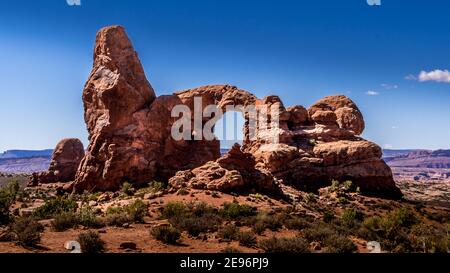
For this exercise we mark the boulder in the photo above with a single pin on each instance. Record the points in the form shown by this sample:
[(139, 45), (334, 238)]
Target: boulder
[(65, 161)]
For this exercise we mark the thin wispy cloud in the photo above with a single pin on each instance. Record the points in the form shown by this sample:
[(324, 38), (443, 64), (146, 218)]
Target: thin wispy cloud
[(437, 75), (389, 86), (372, 93), (411, 78)]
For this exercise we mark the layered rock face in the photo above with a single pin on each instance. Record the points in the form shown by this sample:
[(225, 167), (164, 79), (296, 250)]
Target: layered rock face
[(130, 136), (129, 128), (64, 164)]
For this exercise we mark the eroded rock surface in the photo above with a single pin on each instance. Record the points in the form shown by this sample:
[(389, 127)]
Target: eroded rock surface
[(64, 164), (130, 136)]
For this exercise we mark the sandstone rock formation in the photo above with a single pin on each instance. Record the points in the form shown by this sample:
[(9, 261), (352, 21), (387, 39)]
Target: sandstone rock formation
[(64, 164), (234, 172), (130, 136)]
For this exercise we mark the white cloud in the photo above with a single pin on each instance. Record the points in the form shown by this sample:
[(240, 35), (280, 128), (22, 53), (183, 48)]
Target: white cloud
[(435, 76), (388, 146), (389, 86), (372, 93), (395, 127)]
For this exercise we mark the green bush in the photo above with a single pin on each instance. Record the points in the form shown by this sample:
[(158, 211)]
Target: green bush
[(155, 186), (84, 217), (117, 219), (393, 230), (284, 245), (193, 217), (270, 222), (404, 217), (318, 233), (351, 217), (64, 221), (87, 218), (166, 234), (137, 211), (339, 244), (53, 207), (427, 239), (259, 227), (247, 239), (229, 232), (127, 188), (91, 242), (194, 225), (236, 211), (132, 213), (328, 216), (7, 198), (174, 209), (297, 223), (27, 232)]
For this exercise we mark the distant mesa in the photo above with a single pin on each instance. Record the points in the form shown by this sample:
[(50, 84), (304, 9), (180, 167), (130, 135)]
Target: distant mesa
[(439, 159), (12, 154), (130, 137)]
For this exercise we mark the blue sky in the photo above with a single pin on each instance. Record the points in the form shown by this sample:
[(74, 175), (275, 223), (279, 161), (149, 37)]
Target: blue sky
[(300, 50)]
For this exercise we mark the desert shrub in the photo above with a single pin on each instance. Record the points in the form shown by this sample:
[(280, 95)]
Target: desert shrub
[(271, 222), (247, 239), (284, 245), (343, 200), (27, 232), (91, 242), (259, 227), (127, 188), (137, 211), (156, 186), (54, 207), (404, 217), (87, 218), (64, 221), (297, 223), (229, 232), (351, 217), (166, 234), (7, 198), (311, 198), (200, 208), (194, 217), (427, 239), (336, 243), (392, 230), (318, 232), (182, 191), (174, 209), (230, 250), (194, 225), (236, 211), (132, 213), (117, 219), (344, 187), (328, 216)]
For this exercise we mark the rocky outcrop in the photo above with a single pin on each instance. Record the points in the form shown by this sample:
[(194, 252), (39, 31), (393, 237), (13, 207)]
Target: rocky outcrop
[(64, 164), (235, 172), (130, 136)]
